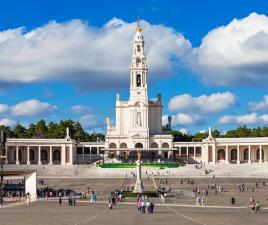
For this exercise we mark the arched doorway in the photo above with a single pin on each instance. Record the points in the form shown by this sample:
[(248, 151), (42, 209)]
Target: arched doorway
[(138, 145), (165, 145), (154, 145), (245, 154), (123, 145), (32, 155), (221, 154), (56, 156), (258, 154), (233, 154), (112, 145), (44, 156)]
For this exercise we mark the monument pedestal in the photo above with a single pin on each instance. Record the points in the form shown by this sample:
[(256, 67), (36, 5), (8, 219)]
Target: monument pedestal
[(139, 188)]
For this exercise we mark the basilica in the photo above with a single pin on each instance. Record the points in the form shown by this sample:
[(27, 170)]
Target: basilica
[(138, 128)]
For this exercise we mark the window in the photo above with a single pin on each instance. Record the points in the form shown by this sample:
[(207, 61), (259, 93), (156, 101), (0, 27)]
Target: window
[(86, 150), (138, 80), (138, 48), (94, 150)]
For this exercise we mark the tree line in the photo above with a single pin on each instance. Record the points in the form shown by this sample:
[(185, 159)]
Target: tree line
[(52, 130), (58, 130), (239, 132)]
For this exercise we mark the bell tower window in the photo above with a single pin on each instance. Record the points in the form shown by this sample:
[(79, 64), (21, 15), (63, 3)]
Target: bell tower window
[(138, 80), (138, 48)]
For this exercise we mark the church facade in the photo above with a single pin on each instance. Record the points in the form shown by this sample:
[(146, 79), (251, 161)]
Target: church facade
[(138, 128), (138, 122)]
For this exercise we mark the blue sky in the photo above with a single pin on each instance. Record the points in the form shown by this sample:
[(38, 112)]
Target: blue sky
[(74, 66)]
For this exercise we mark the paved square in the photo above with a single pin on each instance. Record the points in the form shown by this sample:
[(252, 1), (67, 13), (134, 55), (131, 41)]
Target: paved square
[(49, 213)]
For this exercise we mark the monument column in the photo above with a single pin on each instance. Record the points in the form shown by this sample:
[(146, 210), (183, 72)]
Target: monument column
[(139, 188)]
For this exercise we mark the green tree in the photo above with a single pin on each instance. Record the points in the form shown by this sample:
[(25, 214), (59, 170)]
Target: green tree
[(31, 131), (19, 131), (41, 129)]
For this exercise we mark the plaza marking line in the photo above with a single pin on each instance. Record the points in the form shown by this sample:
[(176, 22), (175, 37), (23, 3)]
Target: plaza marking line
[(91, 218), (184, 216), (159, 204)]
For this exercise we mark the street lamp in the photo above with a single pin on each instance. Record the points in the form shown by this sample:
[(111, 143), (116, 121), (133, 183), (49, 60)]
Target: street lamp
[(2, 157)]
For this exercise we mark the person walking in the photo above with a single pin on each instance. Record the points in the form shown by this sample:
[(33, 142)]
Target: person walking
[(139, 205), (28, 199), (143, 207), (110, 204), (74, 201), (148, 205), (258, 206), (232, 201), (60, 200)]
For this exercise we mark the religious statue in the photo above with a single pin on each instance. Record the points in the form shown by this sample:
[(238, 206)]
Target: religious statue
[(67, 133), (108, 122), (117, 97), (138, 119), (139, 156)]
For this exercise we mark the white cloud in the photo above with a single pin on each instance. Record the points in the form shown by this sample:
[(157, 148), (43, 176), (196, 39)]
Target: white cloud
[(89, 56), (235, 54), (7, 122), (3, 109), (80, 109), (187, 119), (89, 121), (204, 104), (32, 108), (184, 131), (257, 106), (252, 118)]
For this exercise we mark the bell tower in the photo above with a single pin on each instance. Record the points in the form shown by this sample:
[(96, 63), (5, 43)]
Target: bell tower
[(138, 70)]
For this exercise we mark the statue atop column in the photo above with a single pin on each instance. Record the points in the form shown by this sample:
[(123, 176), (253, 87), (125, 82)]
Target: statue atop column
[(67, 134), (139, 188)]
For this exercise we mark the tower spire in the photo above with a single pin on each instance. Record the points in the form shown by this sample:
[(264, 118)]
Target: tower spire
[(138, 29)]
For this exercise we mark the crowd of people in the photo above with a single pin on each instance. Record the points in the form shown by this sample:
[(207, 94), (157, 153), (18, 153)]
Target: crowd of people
[(143, 203)]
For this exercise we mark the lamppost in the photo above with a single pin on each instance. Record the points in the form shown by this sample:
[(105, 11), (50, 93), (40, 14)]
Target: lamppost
[(2, 157)]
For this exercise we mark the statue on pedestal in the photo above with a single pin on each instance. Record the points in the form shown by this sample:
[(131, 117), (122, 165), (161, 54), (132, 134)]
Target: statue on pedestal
[(139, 188)]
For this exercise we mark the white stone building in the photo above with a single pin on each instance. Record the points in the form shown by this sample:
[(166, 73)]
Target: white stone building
[(138, 127), (138, 121)]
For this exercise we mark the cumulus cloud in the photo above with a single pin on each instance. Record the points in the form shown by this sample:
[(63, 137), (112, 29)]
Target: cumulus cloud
[(91, 57), (235, 54), (32, 108), (257, 106), (89, 121), (205, 104), (247, 119), (7, 122), (80, 109), (3, 109), (184, 131)]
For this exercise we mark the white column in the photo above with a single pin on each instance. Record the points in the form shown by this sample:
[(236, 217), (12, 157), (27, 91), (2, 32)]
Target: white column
[(226, 154), (194, 152), (50, 155), (238, 154), (98, 150), (6, 155), (260, 157), (180, 151), (249, 154), (170, 154), (39, 155), (213, 154), (28, 155), (63, 154), (83, 151), (17, 155), (187, 151)]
